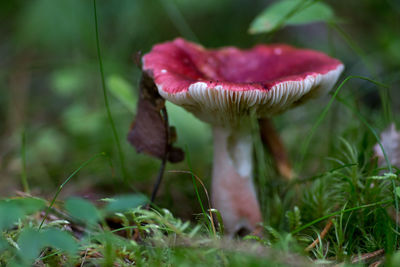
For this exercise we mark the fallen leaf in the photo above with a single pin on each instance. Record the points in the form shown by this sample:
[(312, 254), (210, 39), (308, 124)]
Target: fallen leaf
[(150, 132)]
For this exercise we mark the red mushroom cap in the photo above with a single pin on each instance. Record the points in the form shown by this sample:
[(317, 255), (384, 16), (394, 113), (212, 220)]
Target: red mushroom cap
[(267, 78)]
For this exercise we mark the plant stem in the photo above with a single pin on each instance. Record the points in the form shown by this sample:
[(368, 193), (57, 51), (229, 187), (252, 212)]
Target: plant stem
[(106, 103), (189, 163), (164, 159), (384, 94), (306, 143), (24, 178), (389, 165)]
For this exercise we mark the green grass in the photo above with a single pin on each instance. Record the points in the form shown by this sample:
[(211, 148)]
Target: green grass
[(352, 193)]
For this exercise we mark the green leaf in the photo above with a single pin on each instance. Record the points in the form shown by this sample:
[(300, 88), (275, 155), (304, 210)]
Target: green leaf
[(274, 233), (29, 205), (107, 237), (123, 91), (9, 214), (11, 210), (398, 191), (59, 239), (294, 218), (219, 220), (32, 241), (30, 244), (3, 244), (291, 12), (385, 176), (126, 202), (82, 210)]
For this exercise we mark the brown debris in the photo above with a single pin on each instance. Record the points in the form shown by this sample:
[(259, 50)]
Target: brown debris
[(367, 256), (376, 264), (149, 133), (322, 235)]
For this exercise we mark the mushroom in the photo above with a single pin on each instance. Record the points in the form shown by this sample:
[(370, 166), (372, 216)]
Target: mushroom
[(224, 87)]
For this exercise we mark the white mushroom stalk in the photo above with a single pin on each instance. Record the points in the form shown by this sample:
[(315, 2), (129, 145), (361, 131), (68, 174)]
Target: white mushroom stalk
[(233, 191)]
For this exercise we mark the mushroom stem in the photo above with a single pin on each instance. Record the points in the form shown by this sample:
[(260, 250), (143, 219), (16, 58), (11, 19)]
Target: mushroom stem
[(233, 191), (273, 142)]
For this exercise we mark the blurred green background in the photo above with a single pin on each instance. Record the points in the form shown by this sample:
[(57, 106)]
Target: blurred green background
[(51, 90)]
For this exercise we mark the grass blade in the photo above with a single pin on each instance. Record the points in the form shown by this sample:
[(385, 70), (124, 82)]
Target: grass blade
[(384, 94), (338, 213), (178, 20), (389, 165), (106, 103), (66, 181), (306, 143), (197, 192), (24, 178)]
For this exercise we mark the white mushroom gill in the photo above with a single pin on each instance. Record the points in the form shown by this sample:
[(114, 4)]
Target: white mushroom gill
[(219, 106)]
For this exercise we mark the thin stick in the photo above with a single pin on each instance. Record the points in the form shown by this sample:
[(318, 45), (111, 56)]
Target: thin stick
[(164, 159), (159, 178), (322, 235), (367, 256), (24, 178), (376, 264), (84, 257)]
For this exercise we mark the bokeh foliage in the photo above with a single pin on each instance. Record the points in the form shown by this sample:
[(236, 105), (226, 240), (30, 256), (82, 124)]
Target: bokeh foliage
[(51, 91)]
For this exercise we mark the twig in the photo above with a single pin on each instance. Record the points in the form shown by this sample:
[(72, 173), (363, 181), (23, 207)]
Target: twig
[(322, 235), (367, 256), (164, 159), (376, 264), (84, 258)]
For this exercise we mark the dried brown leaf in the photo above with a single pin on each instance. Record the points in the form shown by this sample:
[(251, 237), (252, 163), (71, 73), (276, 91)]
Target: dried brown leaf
[(149, 133), (175, 155)]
